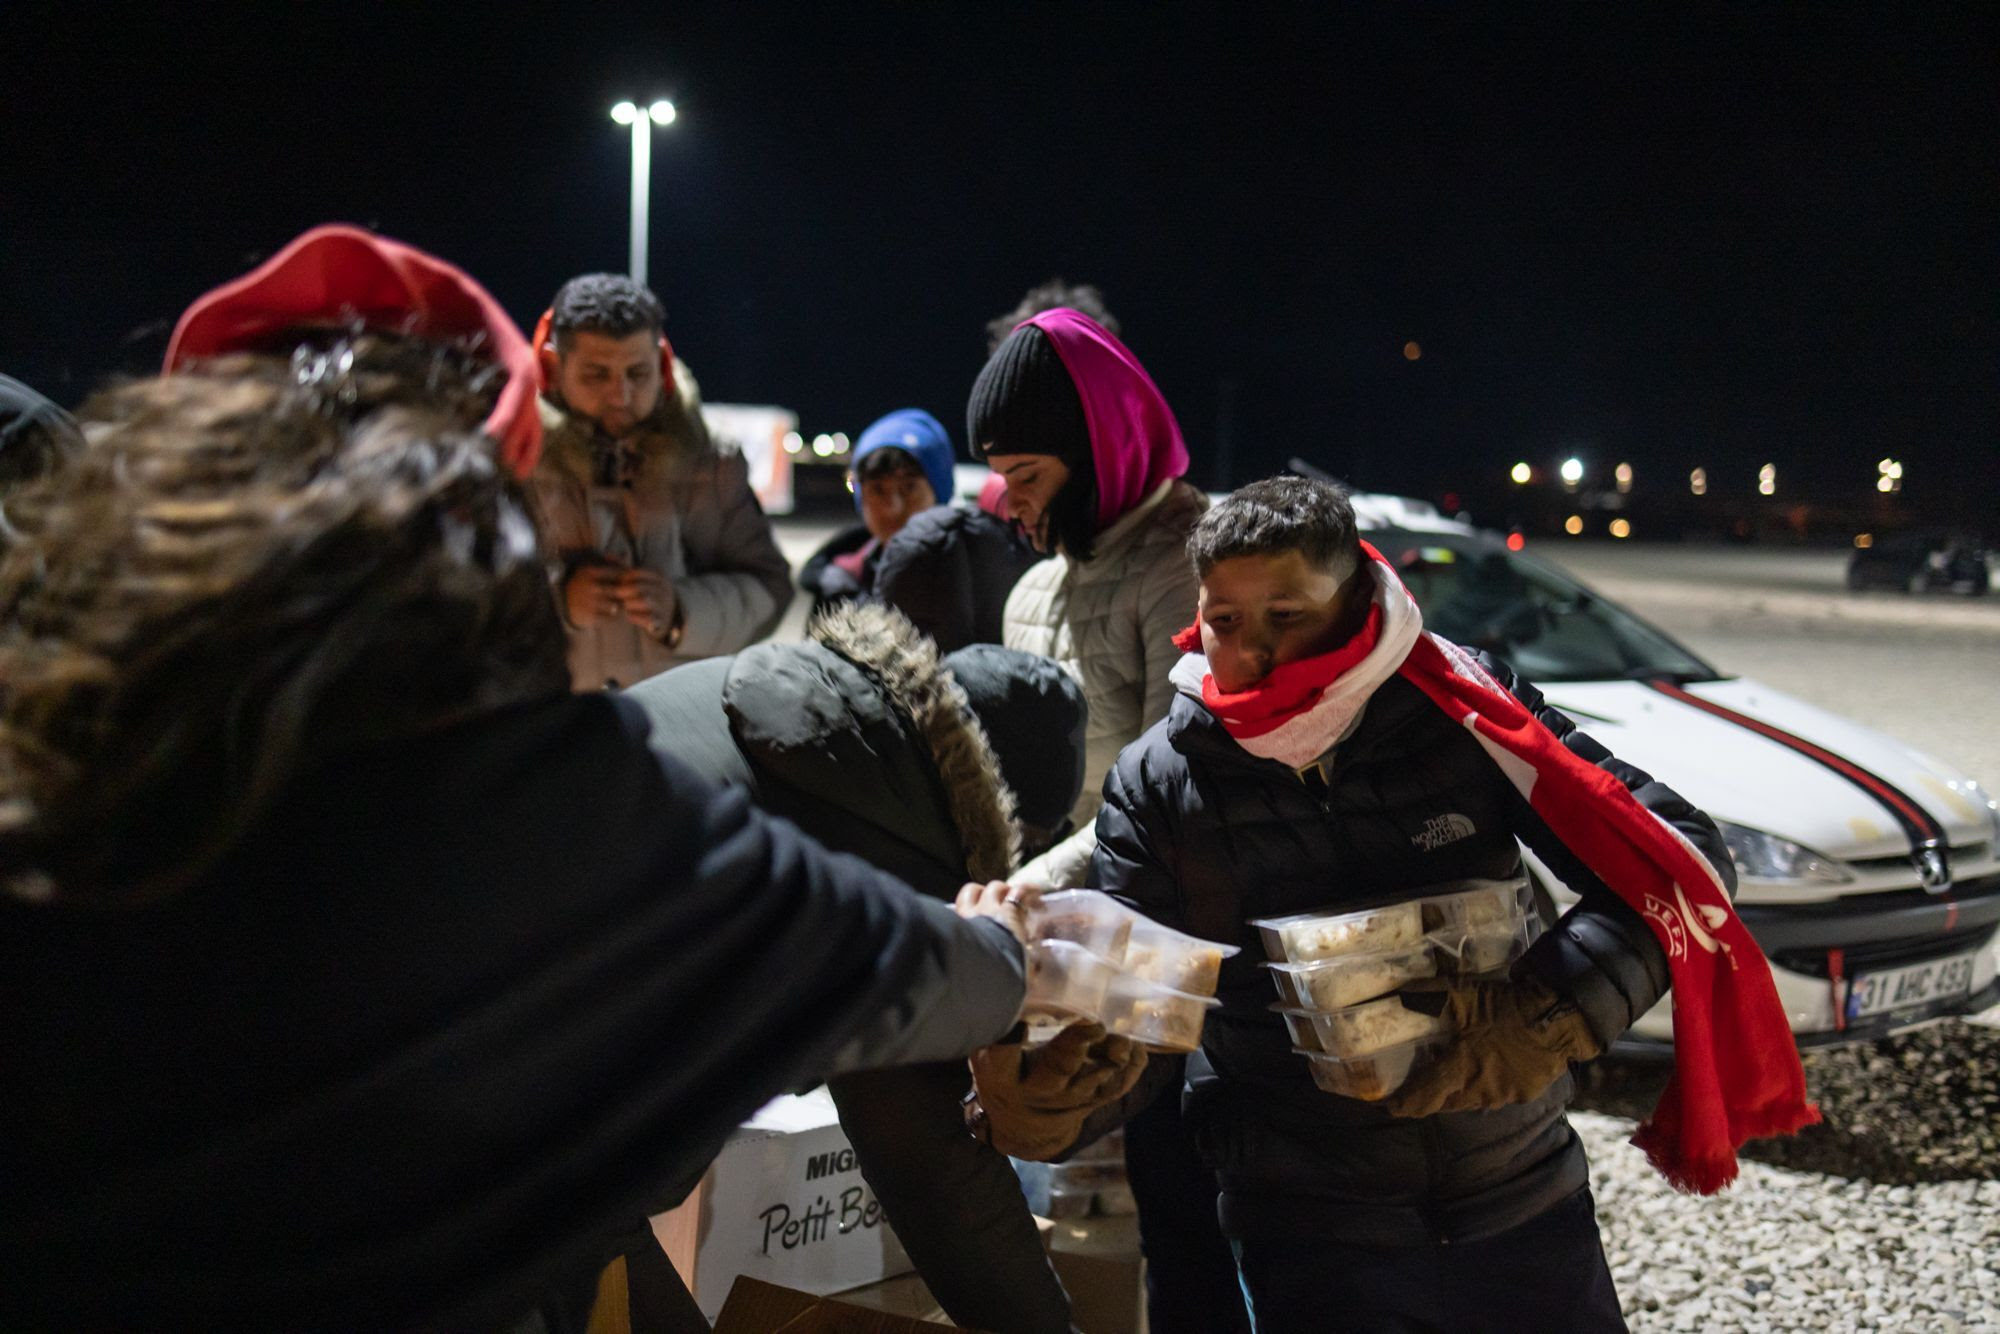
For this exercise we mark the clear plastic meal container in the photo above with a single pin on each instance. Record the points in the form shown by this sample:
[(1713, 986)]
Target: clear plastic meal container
[(1376, 1075), (1312, 936), (1483, 926), (1157, 1016), (1362, 1030), (1175, 959), (1065, 979), (1335, 984), (1086, 917)]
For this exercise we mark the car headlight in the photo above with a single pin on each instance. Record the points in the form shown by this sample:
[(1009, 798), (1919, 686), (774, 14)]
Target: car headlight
[(1762, 856)]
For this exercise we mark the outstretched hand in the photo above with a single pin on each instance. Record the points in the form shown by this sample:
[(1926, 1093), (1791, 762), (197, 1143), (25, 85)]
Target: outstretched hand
[(1036, 1099), (1006, 904)]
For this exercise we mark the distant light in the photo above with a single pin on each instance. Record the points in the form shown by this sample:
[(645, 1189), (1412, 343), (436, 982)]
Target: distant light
[(1698, 481), (794, 442), (1767, 480), (1515, 541), (840, 442), (1522, 474), (662, 112), (624, 113), (1411, 351), (1573, 525), (1572, 471), (1624, 476), (1621, 528), (1896, 471), (823, 445), (1885, 484), (1864, 540), (1452, 502)]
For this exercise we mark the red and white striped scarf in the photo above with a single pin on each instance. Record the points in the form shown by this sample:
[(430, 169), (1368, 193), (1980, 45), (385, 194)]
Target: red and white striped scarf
[(1736, 1068)]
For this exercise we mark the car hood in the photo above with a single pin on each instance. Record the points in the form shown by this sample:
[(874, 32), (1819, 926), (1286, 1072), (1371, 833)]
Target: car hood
[(1739, 775)]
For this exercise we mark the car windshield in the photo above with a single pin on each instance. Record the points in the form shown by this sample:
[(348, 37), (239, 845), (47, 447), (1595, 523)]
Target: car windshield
[(1546, 625)]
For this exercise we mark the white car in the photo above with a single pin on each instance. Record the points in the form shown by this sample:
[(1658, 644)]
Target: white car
[(1869, 872)]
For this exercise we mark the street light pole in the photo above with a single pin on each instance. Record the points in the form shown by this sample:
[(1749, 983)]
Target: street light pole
[(642, 123)]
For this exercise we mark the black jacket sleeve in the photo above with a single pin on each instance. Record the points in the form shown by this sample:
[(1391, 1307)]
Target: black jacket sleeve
[(1126, 865), (1601, 953)]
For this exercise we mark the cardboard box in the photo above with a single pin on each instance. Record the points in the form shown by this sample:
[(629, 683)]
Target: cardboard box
[(1097, 1260), (783, 1203), (760, 1308)]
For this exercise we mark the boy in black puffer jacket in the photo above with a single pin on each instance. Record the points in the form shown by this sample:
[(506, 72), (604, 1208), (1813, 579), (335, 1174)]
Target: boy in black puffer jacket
[(1298, 769)]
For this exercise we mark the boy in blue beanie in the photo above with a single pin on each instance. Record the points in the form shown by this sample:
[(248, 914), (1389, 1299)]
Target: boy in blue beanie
[(901, 466)]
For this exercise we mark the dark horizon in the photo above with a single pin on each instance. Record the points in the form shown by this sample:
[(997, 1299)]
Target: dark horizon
[(1652, 236)]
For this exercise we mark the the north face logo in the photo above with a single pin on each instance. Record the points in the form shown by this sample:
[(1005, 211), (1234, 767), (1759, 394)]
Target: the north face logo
[(1442, 829)]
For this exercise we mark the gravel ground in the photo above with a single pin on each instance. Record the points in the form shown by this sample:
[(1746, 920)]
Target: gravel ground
[(1785, 1250)]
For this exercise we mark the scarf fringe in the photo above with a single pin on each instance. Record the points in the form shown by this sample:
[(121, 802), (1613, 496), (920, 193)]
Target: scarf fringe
[(1659, 1138)]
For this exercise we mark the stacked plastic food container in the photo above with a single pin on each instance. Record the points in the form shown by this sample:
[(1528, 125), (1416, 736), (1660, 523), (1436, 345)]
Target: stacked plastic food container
[(1337, 972), (1091, 957), (1093, 1182)]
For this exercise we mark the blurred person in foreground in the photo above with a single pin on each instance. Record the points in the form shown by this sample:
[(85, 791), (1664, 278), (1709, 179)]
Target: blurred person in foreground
[(358, 975), (660, 553), (1323, 753), (901, 466), (939, 770)]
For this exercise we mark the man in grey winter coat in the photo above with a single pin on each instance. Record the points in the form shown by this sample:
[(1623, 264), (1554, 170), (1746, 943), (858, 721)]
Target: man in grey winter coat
[(660, 553)]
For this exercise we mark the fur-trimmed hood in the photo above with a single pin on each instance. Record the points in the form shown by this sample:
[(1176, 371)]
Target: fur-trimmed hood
[(859, 736), (884, 644)]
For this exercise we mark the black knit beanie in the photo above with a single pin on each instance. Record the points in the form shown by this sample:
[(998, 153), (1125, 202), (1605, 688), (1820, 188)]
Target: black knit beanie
[(1024, 402)]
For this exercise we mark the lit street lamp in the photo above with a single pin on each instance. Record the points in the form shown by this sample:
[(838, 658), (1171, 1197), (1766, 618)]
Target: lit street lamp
[(642, 123)]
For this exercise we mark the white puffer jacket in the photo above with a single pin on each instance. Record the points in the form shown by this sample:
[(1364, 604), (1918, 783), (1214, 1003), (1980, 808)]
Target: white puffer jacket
[(1110, 621)]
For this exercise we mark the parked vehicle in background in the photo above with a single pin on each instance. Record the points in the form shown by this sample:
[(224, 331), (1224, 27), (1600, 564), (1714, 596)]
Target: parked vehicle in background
[(1868, 872), (1919, 563)]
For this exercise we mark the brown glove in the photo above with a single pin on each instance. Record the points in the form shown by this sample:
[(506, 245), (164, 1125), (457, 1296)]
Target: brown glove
[(1031, 1102), (1515, 1038)]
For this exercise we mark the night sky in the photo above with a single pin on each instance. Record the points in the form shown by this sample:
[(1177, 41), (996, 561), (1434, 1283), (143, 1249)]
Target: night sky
[(1634, 233)]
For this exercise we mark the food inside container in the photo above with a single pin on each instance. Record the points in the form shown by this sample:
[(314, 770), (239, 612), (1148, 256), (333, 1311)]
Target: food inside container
[(1086, 917), (1484, 926), (1362, 1030), (1064, 978), (1173, 958), (1154, 1015), (1375, 1076), (1306, 937), (1334, 984)]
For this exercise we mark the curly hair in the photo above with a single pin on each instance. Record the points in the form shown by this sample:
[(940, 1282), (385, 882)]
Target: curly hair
[(604, 303), (1275, 515), (1055, 292), (259, 564)]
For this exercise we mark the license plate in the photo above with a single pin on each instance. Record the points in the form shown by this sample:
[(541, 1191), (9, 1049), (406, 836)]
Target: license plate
[(1912, 985)]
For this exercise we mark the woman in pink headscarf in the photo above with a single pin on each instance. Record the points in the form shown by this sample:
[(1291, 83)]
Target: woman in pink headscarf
[(1093, 462)]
